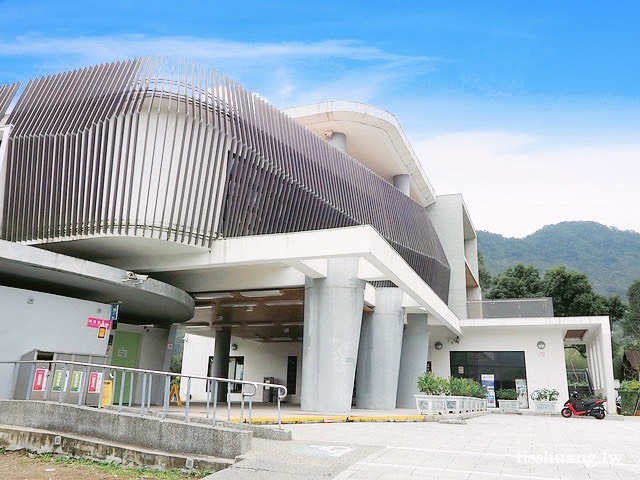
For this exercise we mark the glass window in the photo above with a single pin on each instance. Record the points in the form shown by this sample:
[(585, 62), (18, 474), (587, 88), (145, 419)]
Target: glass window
[(505, 366)]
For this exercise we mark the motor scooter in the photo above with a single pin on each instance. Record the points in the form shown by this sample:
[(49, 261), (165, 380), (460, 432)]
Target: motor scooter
[(576, 406)]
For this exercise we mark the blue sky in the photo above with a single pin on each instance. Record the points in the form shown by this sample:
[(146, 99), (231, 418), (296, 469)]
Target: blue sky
[(531, 110)]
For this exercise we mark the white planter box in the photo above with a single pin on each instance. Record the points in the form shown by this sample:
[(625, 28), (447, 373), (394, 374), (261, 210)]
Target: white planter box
[(545, 406), (440, 404), (509, 405)]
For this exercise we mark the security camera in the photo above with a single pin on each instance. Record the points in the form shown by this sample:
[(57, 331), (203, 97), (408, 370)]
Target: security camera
[(131, 275)]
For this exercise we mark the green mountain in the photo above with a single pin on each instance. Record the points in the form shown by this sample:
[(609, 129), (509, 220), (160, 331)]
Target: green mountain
[(610, 257)]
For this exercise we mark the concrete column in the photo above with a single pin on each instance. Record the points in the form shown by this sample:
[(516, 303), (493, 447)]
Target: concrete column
[(168, 353), (221, 359), (332, 319), (401, 182), (590, 362), (379, 352), (598, 362), (413, 363), (595, 373), (607, 369), (338, 140)]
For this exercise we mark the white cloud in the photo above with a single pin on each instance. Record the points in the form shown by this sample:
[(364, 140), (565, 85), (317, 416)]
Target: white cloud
[(286, 73), (105, 47), (514, 184)]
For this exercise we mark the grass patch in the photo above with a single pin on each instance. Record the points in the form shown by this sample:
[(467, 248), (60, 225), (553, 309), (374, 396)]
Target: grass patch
[(113, 469)]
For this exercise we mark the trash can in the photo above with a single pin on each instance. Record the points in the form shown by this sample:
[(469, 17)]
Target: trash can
[(267, 393)]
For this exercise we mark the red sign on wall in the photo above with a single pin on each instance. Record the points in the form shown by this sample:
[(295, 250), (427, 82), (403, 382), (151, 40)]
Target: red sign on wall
[(95, 379), (98, 322), (40, 379)]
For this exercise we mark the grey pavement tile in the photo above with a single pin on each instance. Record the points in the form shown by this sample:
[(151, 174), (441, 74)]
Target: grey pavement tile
[(369, 472)]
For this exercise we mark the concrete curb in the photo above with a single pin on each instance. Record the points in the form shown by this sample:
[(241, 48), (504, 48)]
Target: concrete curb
[(126, 428), (77, 446)]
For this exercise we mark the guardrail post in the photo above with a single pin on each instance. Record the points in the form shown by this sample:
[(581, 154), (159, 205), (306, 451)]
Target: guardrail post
[(215, 401), (131, 387), (279, 413), (104, 374), (30, 383), (208, 388), (64, 382), (149, 391), (241, 403), (123, 377), (144, 393), (81, 393), (188, 403), (49, 381), (166, 399)]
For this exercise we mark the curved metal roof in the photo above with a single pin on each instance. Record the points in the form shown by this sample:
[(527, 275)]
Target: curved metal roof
[(178, 152)]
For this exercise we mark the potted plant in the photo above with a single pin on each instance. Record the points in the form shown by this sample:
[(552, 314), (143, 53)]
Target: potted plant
[(508, 399), (449, 395), (544, 399)]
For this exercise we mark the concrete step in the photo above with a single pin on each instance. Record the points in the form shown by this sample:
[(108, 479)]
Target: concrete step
[(78, 446)]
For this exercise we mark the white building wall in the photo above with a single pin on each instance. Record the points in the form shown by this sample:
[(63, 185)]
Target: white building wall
[(269, 360), (261, 360), (195, 361), (447, 218), (545, 368), (33, 320)]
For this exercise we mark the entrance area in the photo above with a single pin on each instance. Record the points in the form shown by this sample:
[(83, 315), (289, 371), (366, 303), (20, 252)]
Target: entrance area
[(125, 354), (506, 367)]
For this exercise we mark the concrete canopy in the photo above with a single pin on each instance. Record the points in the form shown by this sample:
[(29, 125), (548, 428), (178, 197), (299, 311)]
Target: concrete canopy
[(284, 260), (374, 138), (142, 300)]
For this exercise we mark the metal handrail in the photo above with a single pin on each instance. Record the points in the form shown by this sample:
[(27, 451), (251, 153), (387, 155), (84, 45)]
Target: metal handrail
[(247, 393)]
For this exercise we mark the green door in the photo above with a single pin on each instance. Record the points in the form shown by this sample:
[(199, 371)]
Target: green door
[(125, 354)]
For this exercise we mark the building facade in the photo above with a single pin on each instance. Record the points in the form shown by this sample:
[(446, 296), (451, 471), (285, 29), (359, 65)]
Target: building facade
[(311, 242)]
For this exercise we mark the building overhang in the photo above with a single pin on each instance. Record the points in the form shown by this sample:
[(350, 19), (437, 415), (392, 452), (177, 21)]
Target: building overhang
[(374, 138), (285, 260), (142, 300), (590, 327)]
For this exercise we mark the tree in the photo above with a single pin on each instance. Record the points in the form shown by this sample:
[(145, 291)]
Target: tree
[(483, 274), (519, 281), (572, 293), (617, 308), (631, 319)]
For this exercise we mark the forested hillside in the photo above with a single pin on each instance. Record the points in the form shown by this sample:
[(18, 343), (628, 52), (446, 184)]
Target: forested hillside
[(610, 257)]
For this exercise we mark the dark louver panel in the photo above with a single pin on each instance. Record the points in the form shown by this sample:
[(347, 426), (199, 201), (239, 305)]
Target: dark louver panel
[(176, 151)]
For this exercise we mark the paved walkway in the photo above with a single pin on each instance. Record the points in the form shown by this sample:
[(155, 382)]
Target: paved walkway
[(491, 447)]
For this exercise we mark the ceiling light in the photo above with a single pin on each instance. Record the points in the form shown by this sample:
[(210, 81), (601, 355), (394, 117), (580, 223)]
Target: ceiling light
[(283, 303), (239, 305), (228, 324), (261, 324), (213, 296), (291, 324), (201, 307), (261, 293)]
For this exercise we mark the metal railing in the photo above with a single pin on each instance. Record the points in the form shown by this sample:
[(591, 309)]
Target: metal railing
[(87, 382), (510, 308)]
